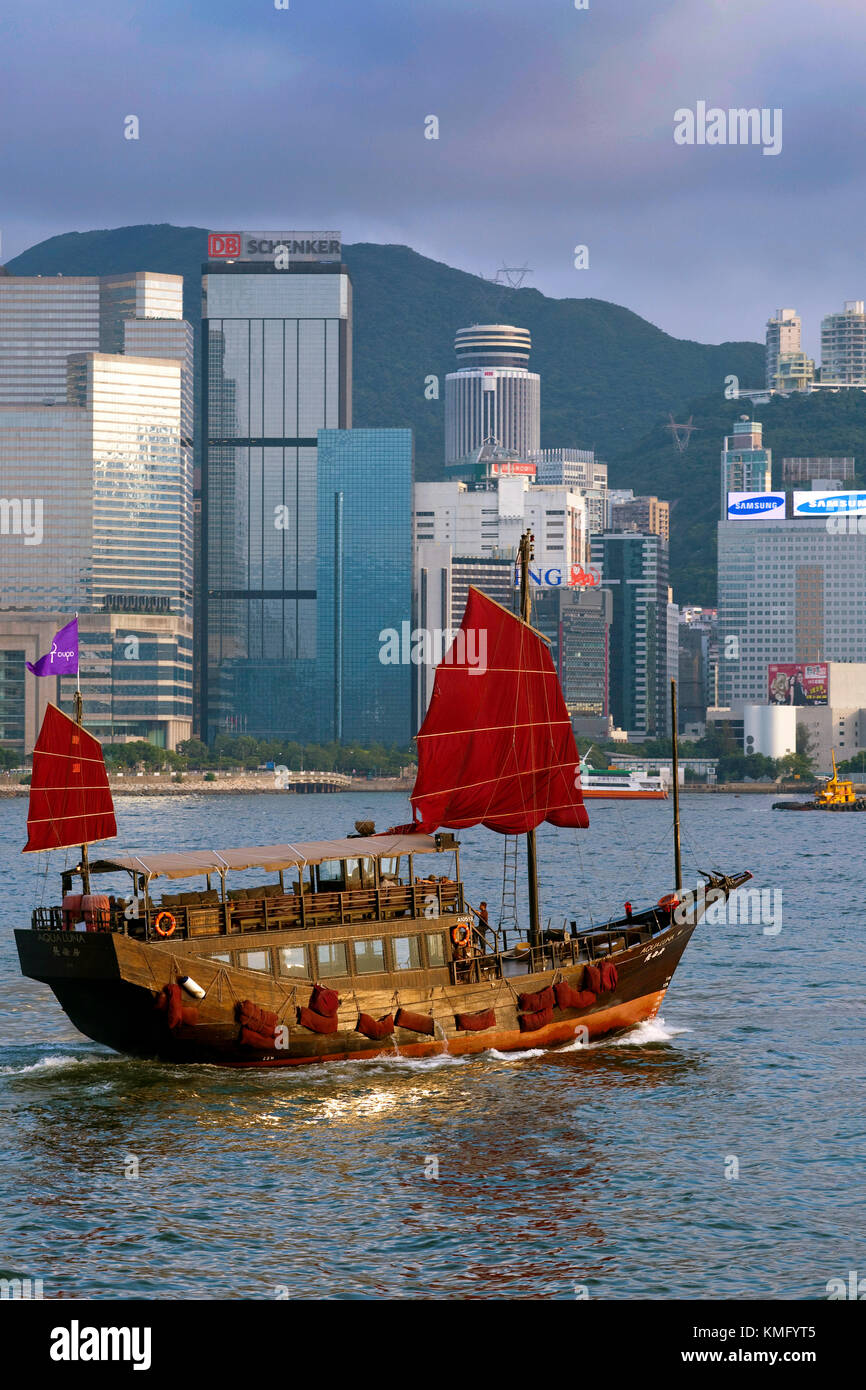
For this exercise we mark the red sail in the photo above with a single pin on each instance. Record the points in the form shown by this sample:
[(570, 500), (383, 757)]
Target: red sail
[(497, 747), (70, 800)]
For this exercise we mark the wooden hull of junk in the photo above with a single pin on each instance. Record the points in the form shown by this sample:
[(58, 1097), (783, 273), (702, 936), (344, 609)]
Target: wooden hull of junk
[(109, 984)]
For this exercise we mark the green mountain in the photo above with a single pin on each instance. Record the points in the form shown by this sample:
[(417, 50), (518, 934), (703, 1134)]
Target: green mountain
[(610, 380), (607, 374)]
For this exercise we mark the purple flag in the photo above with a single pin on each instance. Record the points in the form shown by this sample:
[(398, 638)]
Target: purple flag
[(62, 660)]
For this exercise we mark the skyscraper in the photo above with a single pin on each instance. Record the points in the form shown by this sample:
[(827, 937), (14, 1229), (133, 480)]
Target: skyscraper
[(634, 569), (792, 588), (577, 468), (746, 464), (492, 395), (645, 514), (469, 534), (789, 591), (364, 586), (276, 369), (843, 345), (96, 433), (783, 336)]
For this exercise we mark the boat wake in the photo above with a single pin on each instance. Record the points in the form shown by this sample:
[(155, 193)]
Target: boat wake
[(652, 1030), (64, 1062), (525, 1056)]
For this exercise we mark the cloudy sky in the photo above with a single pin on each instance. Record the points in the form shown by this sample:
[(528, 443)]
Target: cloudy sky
[(555, 129)]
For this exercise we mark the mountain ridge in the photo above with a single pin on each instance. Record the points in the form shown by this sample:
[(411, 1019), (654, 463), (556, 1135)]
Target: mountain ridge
[(407, 308)]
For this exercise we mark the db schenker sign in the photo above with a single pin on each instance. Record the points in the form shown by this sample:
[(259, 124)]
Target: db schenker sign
[(264, 246)]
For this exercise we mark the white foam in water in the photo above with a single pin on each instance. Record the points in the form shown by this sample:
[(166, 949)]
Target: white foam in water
[(651, 1030), (516, 1056), (55, 1064), (439, 1059)]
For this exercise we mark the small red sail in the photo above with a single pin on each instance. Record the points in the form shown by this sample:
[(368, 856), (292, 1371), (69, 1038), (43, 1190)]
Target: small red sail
[(497, 746), (70, 800)]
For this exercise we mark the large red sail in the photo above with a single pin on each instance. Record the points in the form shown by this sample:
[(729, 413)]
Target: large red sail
[(497, 746), (70, 800)]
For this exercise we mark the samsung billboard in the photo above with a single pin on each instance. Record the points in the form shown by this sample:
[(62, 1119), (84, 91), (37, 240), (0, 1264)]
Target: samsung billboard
[(830, 504), (756, 506)]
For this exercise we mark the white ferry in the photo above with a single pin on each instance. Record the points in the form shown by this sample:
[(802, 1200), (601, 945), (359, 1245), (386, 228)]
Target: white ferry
[(627, 784)]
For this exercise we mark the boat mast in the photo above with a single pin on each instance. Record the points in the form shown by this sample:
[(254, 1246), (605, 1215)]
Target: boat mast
[(79, 719), (675, 772), (525, 554)]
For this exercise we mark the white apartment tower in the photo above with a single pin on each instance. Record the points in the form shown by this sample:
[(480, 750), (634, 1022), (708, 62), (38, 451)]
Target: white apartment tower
[(843, 345), (783, 336)]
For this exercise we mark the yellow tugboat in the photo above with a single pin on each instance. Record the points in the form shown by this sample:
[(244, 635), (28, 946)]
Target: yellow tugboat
[(835, 795)]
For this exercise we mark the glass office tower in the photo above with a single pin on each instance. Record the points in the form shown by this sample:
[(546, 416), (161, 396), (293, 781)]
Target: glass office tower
[(96, 438), (364, 584), (635, 572), (276, 368)]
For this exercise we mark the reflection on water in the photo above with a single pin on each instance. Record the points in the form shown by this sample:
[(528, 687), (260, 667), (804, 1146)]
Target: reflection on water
[(599, 1165)]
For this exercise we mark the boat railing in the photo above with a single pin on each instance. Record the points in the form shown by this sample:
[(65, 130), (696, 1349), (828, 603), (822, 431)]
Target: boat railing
[(582, 949), (279, 912)]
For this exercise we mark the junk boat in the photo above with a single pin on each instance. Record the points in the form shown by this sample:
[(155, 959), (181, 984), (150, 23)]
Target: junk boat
[(361, 946), (835, 795)]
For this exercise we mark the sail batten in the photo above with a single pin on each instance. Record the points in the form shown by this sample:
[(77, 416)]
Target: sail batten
[(70, 799), (497, 746)]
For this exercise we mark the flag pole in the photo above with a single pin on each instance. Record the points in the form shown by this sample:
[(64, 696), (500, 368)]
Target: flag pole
[(525, 554), (79, 719)]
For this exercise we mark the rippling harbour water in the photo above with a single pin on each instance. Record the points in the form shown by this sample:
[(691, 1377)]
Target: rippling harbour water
[(603, 1166)]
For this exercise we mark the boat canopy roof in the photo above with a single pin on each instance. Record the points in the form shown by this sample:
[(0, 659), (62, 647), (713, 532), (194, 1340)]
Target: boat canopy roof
[(188, 863)]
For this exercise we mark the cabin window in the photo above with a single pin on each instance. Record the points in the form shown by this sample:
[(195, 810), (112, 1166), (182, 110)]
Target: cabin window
[(392, 871), (222, 956), (369, 956), (435, 948), (360, 873), (331, 959), (255, 960), (407, 952), (330, 878), (293, 960)]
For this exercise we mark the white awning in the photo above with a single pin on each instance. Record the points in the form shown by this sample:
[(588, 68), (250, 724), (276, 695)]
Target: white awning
[(271, 858)]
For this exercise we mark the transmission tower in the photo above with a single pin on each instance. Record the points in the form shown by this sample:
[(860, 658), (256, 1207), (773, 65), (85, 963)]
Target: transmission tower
[(681, 433), (514, 275)]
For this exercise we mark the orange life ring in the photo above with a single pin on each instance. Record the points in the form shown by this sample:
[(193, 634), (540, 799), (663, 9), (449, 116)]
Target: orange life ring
[(460, 934), (668, 902), (165, 931)]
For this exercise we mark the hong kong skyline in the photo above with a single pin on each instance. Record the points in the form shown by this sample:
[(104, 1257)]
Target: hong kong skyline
[(554, 129)]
